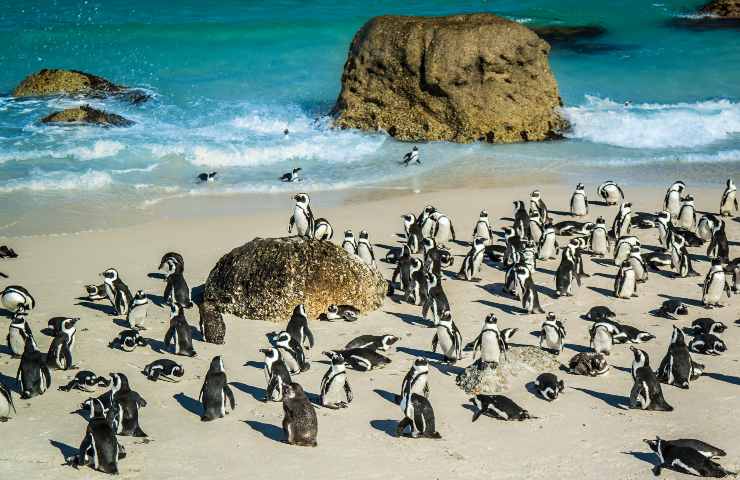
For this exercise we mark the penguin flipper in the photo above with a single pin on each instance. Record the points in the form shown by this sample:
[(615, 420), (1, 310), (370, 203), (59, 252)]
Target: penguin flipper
[(309, 336), (230, 395), (169, 337), (435, 339), (67, 357), (348, 391)]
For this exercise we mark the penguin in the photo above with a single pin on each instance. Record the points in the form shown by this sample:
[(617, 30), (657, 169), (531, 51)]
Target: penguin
[(511, 282), (536, 203), (707, 325), (349, 244), (409, 220), (15, 296), (137, 312), (719, 246), (626, 333), (60, 350), (302, 218), (709, 451), (300, 424), (687, 214), (117, 291), (589, 364), (173, 262), (499, 407), (677, 368), (347, 313), (579, 201), (490, 343), (733, 272), (85, 381), (705, 227), (436, 301), (729, 203), (521, 220), (437, 258), (482, 227), (99, 405), (672, 307), (125, 405), (571, 227), (128, 340), (298, 327), (658, 260), (95, 292), (19, 333), (177, 291), (361, 359), (291, 352), (215, 392), (638, 265), (33, 374), (207, 177), (276, 375), (180, 333), (164, 368), (7, 252), (529, 255), (715, 284), (535, 226), (416, 381), (610, 192), (471, 264), (685, 459), (664, 226), (625, 284), (552, 334), (680, 258), (412, 157), (548, 245), (365, 249), (419, 415), (99, 448), (442, 231), (530, 297), (599, 239), (672, 200), (646, 392), (323, 230), (6, 403), (414, 236), (292, 176), (54, 325), (707, 344), (336, 392), (448, 339), (566, 273), (373, 342), (602, 337), (643, 220), (599, 313), (624, 247), (623, 220), (548, 386), (418, 288)]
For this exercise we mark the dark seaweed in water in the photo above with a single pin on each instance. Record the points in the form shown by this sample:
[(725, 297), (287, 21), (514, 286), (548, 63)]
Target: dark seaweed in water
[(577, 38), (704, 23)]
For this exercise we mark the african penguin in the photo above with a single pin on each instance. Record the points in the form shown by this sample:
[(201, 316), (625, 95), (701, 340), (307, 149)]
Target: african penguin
[(323, 230), (300, 424), (419, 415), (677, 368), (180, 333), (6, 402), (125, 405), (85, 381), (333, 312), (298, 327), (416, 381), (552, 334), (15, 296), (164, 368), (646, 392), (672, 200), (60, 350), (138, 311), (499, 407), (373, 342), (490, 343), (707, 325), (292, 176), (715, 284), (471, 264), (625, 283), (365, 249), (707, 344), (19, 333), (349, 244), (685, 459), (215, 392), (33, 374), (117, 291), (335, 389), (291, 352), (177, 291), (128, 340), (548, 386), (436, 301), (610, 192), (579, 201), (412, 157), (302, 218), (729, 203), (687, 214), (599, 239), (448, 338), (360, 359), (276, 375), (99, 449)]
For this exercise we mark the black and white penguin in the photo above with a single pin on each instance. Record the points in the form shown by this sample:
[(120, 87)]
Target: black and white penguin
[(490, 343), (646, 392), (60, 350), (707, 344), (521, 220), (602, 337), (125, 405), (336, 392), (625, 284), (548, 386), (536, 203), (728, 204), (436, 301), (302, 218), (638, 264), (530, 297), (85, 381), (627, 333), (437, 258), (300, 424), (6, 402), (99, 405), (291, 352), (589, 364), (548, 244), (499, 407), (33, 374), (412, 157), (172, 262), (686, 458), (19, 333), (529, 255), (513, 245), (677, 368), (180, 333), (323, 229), (347, 313), (482, 227), (599, 239), (472, 262), (566, 274), (623, 220), (15, 296), (643, 220), (415, 382), (599, 313), (207, 177), (709, 451), (672, 307), (292, 176), (164, 368), (707, 325), (442, 230), (298, 327), (276, 374), (719, 247), (418, 288), (552, 334), (128, 340), (373, 342), (177, 291), (448, 338), (117, 291), (610, 192), (664, 225), (706, 225), (419, 415), (409, 220), (361, 359), (715, 284), (687, 214), (99, 448), (536, 225), (623, 248), (365, 249), (572, 227), (55, 324), (7, 252), (95, 292), (349, 244), (137, 313), (215, 392), (680, 258), (672, 200)]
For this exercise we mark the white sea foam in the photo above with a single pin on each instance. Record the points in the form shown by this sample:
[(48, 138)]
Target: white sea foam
[(134, 170), (40, 181), (99, 149)]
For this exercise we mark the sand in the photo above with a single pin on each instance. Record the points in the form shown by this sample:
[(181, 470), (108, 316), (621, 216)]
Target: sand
[(587, 433)]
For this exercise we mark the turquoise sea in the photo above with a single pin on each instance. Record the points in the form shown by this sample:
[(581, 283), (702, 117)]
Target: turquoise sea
[(229, 76)]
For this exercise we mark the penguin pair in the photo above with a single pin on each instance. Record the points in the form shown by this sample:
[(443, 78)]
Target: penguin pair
[(60, 350), (125, 405), (688, 456), (707, 344), (117, 291), (646, 393), (216, 392), (677, 367), (336, 392), (180, 333), (302, 219)]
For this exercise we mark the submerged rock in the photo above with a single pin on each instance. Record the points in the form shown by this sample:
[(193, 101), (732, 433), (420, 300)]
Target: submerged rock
[(85, 114), (460, 78), (266, 278), (527, 361), (722, 8)]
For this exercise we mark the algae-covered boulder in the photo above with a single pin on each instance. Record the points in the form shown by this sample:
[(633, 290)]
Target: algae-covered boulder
[(65, 82), (521, 365), (459, 78), (722, 8), (85, 114), (267, 277)]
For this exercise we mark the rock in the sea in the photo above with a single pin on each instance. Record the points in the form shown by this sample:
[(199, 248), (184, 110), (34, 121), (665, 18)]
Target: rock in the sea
[(461, 78), (212, 324), (722, 8), (526, 361), (86, 114), (65, 82), (266, 278)]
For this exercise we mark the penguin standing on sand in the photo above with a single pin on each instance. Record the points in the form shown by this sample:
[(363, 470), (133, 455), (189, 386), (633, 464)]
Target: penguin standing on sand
[(125, 405), (349, 244), (687, 214), (178, 291), (436, 301), (715, 284), (472, 262), (536, 203), (521, 220), (691, 457), (579, 201), (419, 415), (719, 247), (215, 392), (448, 339), (117, 291), (412, 157), (6, 402), (625, 284), (552, 334), (535, 225), (300, 423), (335, 390), (672, 200), (602, 337), (365, 249), (302, 218), (646, 392), (19, 333), (15, 296), (599, 240), (623, 220), (728, 204), (677, 368), (276, 374), (138, 311), (482, 227), (33, 375), (566, 273), (530, 297), (548, 244), (60, 350), (680, 258), (298, 327), (706, 225), (180, 333), (624, 247), (99, 449), (416, 381), (638, 264)]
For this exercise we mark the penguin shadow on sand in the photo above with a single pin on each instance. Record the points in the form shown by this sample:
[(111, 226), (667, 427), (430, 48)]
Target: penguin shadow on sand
[(604, 262), (435, 359), (389, 396), (121, 322), (577, 348), (731, 379), (509, 309), (610, 276), (647, 457), (157, 300), (560, 213), (6, 350), (157, 275), (10, 382), (268, 430), (411, 319), (600, 203), (156, 345), (6, 313), (255, 364), (617, 401), (256, 392), (66, 450), (100, 307), (387, 426), (189, 403), (604, 291), (546, 271), (688, 301)]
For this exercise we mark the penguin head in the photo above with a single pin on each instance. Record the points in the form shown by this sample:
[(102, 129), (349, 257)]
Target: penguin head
[(688, 198), (281, 339), (302, 199), (483, 214), (364, 235), (655, 445), (217, 365), (68, 324), (641, 358), (601, 221), (550, 317), (421, 364), (718, 344), (717, 327), (292, 390), (490, 319), (580, 187), (119, 382), (730, 183), (409, 218), (644, 337), (535, 195), (110, 275), (296, 170), (415, 149), (428, 210), (333, 308), (271, 354), (348, 235), (337, 361), (534, 214), (389, 340)]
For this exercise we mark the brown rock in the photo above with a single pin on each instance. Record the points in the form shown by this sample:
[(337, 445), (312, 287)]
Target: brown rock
[(64, 82), (460, 78), (212, 324), (521, 365), (88, 115), (266, 278), (722, 8)]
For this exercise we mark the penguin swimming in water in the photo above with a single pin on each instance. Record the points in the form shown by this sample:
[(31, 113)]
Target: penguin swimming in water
[(552, 334), (419, 415), (276, 375), (335, 389), (728, 204), (128, 340), (180, 333), (6, 402), (473, 260), (677, 368), (365, 249), (300, 424), (646, 392), (19, 333), (33, 374), (215, 392), (298, 327), (164, 368), (412, 157), (672, 200), (610, 192), (686, 457), (349, 244), (373, 342), (15, 296), (125, 405), (291, 352), (292, 176), (548, 386), (715, 284), (117, 291), (302, 218), (323, 229), (207, 177), (138, 311), (99, 449), (499, 407), (448, 339), (60, 350)]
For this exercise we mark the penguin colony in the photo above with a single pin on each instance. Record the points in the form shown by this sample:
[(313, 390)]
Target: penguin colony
[(419, 280)]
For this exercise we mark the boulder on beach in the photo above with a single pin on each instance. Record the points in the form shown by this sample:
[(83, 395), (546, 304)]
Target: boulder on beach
[(460, 78), (85, 114), (65, 82), (266, 278), (722, 8), (522, 365)]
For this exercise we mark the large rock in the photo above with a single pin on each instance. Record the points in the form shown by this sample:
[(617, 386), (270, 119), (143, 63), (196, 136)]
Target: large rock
[(267, 277), (722, 8), (460, 78), (522, 365), (65, 82), (85, 114), (212, 324)]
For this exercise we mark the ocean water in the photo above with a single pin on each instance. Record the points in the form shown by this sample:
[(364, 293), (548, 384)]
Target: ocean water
[(228, 77)]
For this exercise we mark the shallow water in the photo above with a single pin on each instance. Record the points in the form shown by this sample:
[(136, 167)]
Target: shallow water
[(228, 77)]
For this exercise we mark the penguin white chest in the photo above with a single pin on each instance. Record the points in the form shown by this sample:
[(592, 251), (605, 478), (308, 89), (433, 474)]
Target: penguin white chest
[(301, 221)]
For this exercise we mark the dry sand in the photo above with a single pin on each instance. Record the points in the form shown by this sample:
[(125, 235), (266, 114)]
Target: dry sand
[(587, 433)]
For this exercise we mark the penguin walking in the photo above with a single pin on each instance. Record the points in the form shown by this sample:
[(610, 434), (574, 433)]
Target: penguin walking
[(728, 204), (365, 249), (625, 284), (499, 407), (15, 296), (611, 192), (349, 244), (19, 333), (599, 239), (548, 386), (180, 333), (579, 201), (436, 301), (471, 264), (715, 284), (137, 313), (548, 244), (416, 381), (292, 176), (686, 457), (300, 423), (6, 403), (482, 227), (419, 415), (448, 339), (60, 350), (566, 273), (672, 200), (298, 327), (323, 230), (646, 392), (336, 392), (99, 449), (291, 352), (33, 374), (552, 334), (687, 214), (215, 392), (623, 220), (276, 375), (177, 291), (530, 297), (412, 157), (490, 343), (677, 368), (302, 218), (125, 405), (117, 291), (164, 368)]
